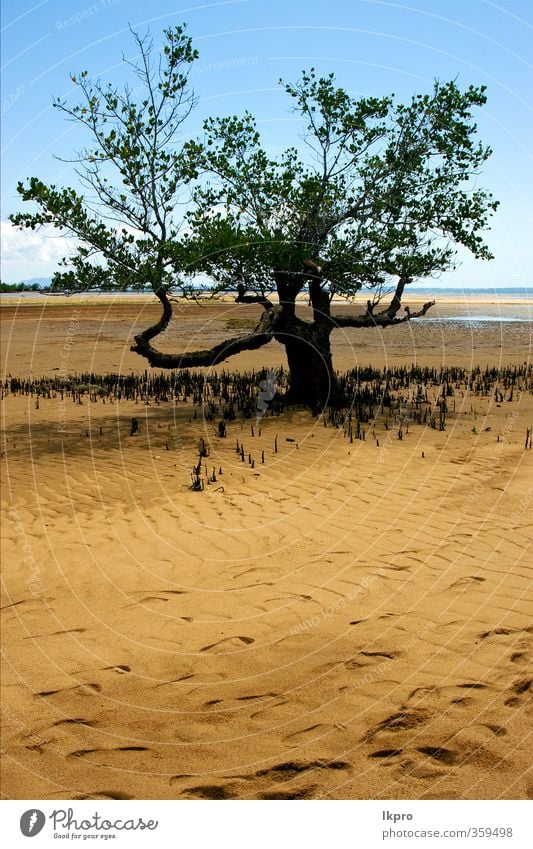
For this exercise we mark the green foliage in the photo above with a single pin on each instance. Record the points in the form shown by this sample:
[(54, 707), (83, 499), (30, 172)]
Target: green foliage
[(386, 190), (133, 174), (381, 190)]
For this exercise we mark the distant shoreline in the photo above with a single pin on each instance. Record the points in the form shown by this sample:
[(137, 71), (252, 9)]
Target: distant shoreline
[(443, 297)]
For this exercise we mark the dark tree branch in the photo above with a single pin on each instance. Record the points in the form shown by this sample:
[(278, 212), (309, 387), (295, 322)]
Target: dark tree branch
[(143, 339), (262, 334), (318, 295), (396, 302), (383, 319), (243, 298)]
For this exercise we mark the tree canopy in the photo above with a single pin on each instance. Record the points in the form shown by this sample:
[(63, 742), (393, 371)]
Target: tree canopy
[(384, 191), (376, 194), (133, 173)]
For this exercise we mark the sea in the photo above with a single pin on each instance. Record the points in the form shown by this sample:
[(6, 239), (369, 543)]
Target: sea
[(470, 306), (477, 306)]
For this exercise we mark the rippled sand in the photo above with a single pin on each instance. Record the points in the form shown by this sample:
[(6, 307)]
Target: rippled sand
[(346, 620)]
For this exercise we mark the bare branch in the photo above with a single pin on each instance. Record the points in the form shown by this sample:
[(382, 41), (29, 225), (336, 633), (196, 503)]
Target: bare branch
[(396, 302), (243, 298), (262, 335), (382, 319)]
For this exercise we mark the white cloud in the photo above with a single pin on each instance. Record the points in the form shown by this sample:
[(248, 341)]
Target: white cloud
[(31, 253)]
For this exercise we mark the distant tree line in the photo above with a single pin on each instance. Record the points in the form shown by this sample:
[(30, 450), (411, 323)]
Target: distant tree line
[(23, 287)]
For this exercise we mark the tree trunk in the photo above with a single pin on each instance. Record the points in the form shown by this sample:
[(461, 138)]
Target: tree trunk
[(311, 377), (307, 345)]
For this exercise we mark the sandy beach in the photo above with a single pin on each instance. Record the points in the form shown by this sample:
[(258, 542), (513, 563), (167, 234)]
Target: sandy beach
[(345, 620)]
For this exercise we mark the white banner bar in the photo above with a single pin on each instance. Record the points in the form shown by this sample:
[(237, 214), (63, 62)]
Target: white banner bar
[(268, 825)]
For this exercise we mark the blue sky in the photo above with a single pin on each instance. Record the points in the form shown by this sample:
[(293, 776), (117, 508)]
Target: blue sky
[(373, 47)]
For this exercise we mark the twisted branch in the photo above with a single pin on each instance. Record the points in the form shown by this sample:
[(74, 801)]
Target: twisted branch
[(262, 334), (382, 319)]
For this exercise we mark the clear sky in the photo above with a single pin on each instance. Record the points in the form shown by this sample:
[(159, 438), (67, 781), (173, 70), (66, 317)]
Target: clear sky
[(372, 46)]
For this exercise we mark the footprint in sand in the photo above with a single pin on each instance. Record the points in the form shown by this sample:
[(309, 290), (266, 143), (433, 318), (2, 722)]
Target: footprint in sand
[(439, 753), (468, 580), (519, 689), (421, 770), (386, 754), (291, 795), (37, 603), (424, 694), (498, 730), (281, 773), (519, 657), (270, 695), (472, 753), (228, 643), (464, 701), (147, 598), (272, 710), (401, 721), (39, 747), (84, 689), (496, 632), (75, 720), (81, 753), (56, 633), (466, 752), (369, 658), (209, 791), (105, 794), (289, 769), (412, 764), (296, 738)]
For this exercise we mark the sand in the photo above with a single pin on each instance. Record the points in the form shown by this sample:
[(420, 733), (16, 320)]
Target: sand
[(344, 621)]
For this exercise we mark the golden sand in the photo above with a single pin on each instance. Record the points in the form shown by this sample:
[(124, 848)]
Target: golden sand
[(342, 621)]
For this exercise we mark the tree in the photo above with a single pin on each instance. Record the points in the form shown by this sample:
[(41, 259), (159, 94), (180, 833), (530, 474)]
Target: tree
[(384, 194), (133, 172)]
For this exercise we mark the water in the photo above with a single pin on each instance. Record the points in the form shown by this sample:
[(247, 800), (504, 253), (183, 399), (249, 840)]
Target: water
[(475, 319), (495, 293), (472, 307)]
